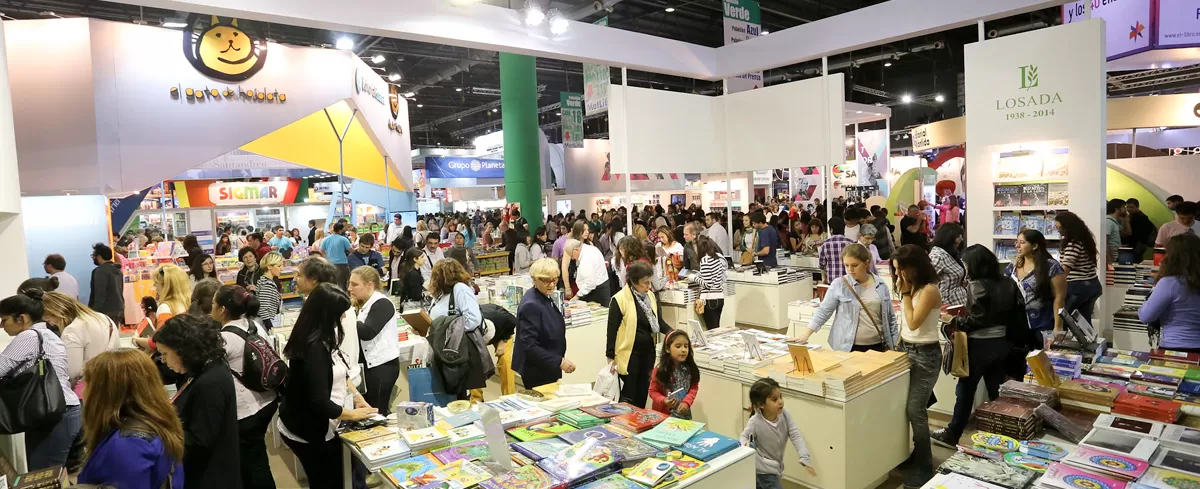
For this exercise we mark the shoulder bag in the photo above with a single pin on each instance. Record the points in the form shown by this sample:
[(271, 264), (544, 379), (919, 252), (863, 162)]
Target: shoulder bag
[(748, 255), (33, 398), (882, 337)]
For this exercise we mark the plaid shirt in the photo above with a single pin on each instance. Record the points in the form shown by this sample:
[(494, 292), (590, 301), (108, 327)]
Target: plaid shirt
[(830, 257)]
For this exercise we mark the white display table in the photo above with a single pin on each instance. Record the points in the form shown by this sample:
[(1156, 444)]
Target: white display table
[(762, 300), (853, 444)]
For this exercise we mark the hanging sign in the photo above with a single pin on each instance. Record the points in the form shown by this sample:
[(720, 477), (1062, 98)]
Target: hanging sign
[(247, 193), (462, 167), (742, 22), (596, 79), (572, 119), (1178, 23), (1127, 23)]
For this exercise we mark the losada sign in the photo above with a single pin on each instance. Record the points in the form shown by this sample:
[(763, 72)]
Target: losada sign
[(231, 51), (246, 193)]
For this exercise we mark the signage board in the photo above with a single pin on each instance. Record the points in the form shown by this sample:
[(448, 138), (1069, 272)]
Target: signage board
[(596, 80), (742, 21), (246, 193), (1178, 23), (1127, 23), (571, 108), (361, 85), (463, 167)]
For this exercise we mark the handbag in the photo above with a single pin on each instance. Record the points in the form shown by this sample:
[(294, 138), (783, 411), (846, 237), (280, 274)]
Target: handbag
[(698, 305), (33, 398), (748, 255), (954, 355), (868, 311)]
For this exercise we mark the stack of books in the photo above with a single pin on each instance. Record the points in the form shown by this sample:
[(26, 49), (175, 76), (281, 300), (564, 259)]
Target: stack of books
[(1123, 360), (378, 444), (460, 473), (638, 421), (707, 445), (1154, 375), (631, 451), (559, 404), (1062, 476), (582, 462), (1180, 437), (1159, 391), (598, 432), (1106, 372), (579, 419), (573, 390), (403, 470), (1010, 417), (1145, 407), (1092, 397), (992, 471), (608, 411), (1130, 426), (1070, 430), (1176, 356), (464, 434), (539, 449), (861, 372), (413, 415), (672, 432), (425, 440), (1029, 392), (1067, 364)]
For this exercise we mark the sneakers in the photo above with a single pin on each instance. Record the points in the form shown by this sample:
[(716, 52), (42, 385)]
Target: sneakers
[(944, 438)]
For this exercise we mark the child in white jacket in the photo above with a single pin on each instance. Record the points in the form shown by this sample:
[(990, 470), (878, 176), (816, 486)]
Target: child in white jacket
[(768, 431)]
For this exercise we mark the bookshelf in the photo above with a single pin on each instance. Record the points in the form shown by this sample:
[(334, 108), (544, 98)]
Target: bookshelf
[(1029, 187)]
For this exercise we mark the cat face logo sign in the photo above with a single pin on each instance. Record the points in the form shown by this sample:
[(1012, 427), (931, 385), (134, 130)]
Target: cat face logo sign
[(394, 100), (228, 50)]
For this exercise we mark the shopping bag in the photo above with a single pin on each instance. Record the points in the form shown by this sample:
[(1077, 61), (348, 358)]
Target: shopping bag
[(607, 384), (423, 386)]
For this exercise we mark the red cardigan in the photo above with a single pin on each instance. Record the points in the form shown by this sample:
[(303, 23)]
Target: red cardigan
[(658, 394)]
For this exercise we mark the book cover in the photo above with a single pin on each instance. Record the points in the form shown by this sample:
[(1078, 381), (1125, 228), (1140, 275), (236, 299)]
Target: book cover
[(1033, 222), (383, 448), (674, 431), (464, 434), (46, 478), (631, 450), (707, 445), (1130, 426), (605, 411), (598, 432), (1141, 355), (1181, 438), (579, 460), (466, 451), (410, 467), (686, 466), (1063, 476), (951, 480), (524, 477), (615, 481), (1152, 390), (651, 471), (1177, 460), (458, 420), (640, 420), (1135, 402), (996, 472), (1122, 360), (413, 415), (1112, 371), (1159, 477), (539, 449), (1057, 195), (460, 473), (1178, 356), (1007, 196), (1123, 468), (1025, 461), (545, 428), (992, 441), (980, 451), (1034, 194), (1121, 444), (424, 437), (1009, 224), (361, 436), (1164, 371)]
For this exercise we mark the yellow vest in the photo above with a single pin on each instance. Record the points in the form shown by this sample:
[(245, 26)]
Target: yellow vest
[(627, 332)]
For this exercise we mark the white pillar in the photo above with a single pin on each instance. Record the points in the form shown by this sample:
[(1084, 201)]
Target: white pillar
[(625, 154)]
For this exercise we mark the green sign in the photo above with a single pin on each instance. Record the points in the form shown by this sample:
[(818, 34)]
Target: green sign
[(596, 80), (572, 119), (1029, 77), (743, 10)]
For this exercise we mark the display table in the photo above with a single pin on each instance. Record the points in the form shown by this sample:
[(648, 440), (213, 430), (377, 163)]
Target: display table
[(678, 305), (853, 444), (762, 300)]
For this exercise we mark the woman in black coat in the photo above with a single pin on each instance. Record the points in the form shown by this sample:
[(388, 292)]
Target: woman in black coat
[(539, 354)]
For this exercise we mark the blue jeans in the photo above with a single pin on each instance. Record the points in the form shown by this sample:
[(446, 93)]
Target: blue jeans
[(925, 364), (1081, 296), (767, 481), (49, 446)]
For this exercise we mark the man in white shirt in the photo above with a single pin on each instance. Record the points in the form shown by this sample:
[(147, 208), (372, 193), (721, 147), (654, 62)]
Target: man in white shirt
[(592, 274), (56, 266), (717, 233), (393, 231), (433, 254)]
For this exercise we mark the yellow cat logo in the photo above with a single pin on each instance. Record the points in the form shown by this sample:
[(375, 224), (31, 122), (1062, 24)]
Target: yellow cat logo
[(224, 50), (394, 100)]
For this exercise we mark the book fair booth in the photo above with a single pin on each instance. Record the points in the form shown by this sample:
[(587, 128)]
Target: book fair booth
[(275, 133)]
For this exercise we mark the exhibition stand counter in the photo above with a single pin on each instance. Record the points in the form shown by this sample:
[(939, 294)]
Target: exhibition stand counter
[(762, 299)]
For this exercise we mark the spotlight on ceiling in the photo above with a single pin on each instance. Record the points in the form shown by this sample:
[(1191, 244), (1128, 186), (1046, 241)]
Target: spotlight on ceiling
[(459, 89), (174, 25), (344, 43), (669, 9), (420, 105), (533, 14), (939, 98), (906, 99), (394, 77), (887, 64), (764, 32), (558, 113), (378, 58), (558, 23), (495, 110), (409, 94)]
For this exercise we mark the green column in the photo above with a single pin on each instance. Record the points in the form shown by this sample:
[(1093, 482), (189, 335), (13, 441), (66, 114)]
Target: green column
[(522, 159)]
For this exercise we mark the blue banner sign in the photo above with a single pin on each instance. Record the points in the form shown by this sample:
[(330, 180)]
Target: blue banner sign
[(463, 167)]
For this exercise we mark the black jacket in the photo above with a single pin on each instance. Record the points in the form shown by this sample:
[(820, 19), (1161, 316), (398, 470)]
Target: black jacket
[(306, 408), (108, 286), (541, 340), (208, 410), (996, 302), (246, 277)]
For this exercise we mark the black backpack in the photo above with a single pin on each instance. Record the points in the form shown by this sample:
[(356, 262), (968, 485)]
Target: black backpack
[(262, 370)]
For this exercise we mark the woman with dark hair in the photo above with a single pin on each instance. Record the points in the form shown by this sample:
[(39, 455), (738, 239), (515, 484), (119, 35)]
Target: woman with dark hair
[(1044, 287), (815, 238), (224, 246), (917, 283), (318, 387), (236, 308), (634, 318), (192, 346), (44, 284), (408, 282), (450, 283), (946, 257), (191, 246), (314, 271), (711, 277), (1174, 305), (202, 267), (630, 249), (1079, 257), (202, 296), (994, 308), (248, 275), (21, 316)]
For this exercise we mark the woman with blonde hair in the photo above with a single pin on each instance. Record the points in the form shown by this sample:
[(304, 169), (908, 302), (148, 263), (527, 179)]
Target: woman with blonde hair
[(174, 292), (639, 232), (317, 238), (450, 284), (132, 433), (85, 333), (377, 334), (422, 230), (267, 290)]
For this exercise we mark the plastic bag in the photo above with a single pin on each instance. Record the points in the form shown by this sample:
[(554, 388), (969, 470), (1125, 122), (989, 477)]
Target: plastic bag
[(607, 384)]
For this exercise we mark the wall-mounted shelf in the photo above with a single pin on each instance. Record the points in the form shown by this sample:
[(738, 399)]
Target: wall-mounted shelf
[(1013, 236), (1043, 208)]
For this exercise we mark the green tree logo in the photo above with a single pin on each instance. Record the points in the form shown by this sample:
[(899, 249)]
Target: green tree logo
[(1029, 77)]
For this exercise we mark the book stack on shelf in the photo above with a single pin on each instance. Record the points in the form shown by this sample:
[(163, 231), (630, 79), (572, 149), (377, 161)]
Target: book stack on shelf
[(1029, 187)]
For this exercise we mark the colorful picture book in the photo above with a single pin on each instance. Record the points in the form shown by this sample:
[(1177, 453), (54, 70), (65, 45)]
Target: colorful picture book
[(583, 459), (383, 448), (464, 433), (539, 449), (1057, 195), (1063, 476), (460, 473), (424, 438), (1159, 477), (1106, 463), (1007, 196), (1034, 222), (545, 428), (1018, 459), (466, 451), (1034, 194), (651, 471), (605, 411), (1009, 224), (1043, 449), (639, 421), (673, 431), (524, 477), (361, 436), (631, 450), (615, 481), (599, 432), (413, 415), (707, 445), (996, 472), (408, 468)]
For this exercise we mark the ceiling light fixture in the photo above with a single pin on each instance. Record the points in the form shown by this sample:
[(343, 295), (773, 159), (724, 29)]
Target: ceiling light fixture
[(533, 14), (174, 25), (378, 58), (559, 24), (764, 32), (409, 94), (906, 98), (939, 98), (460, 119), (394, 77), (495, 110), (558, 113), (420, 105), (344, 43), (669, 9), (459, 89), (887, 64)]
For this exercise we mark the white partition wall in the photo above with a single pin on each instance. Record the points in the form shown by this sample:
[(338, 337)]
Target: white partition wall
[(663, 131), (782, 125)]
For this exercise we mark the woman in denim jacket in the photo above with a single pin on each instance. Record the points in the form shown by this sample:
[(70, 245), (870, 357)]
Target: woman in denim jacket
[(852, 329)]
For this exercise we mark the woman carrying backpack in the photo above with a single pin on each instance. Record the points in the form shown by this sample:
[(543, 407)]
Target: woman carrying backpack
[(234, 307)]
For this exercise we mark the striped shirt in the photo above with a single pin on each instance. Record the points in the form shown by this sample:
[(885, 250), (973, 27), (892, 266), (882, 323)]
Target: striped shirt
[(18, 357), (1082, 267), (269, 302), (712, 277)]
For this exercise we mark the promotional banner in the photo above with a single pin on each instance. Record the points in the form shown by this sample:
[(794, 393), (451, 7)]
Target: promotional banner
[(1178, 23), (871, 154), (762, 177), (572, 119), (843, 176), (593, 165), (742, 22), (462, 167), (596, 79), (808, 184), (120, 210), (1127, 23)]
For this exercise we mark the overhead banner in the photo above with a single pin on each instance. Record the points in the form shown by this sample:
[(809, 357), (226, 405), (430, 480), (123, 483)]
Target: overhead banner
[(1127, 23), (462, 167), (572, 119), (871, 155), (742, 22), (1178, 23), (596, 79)]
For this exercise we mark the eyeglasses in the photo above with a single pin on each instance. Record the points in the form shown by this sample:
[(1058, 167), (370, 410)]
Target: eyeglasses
[(547, 280)]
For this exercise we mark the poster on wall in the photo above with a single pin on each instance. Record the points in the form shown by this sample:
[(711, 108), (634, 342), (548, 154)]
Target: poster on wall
[(463, 167), (808, 184), (1178, 23), (897, 166), (596, 79), (571, 108), (871, 154), (1127, 23), (591, 167), (843, 176), (742, 22)]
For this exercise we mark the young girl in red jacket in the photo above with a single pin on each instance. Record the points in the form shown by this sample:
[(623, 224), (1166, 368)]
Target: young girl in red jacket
[(674, 383)]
